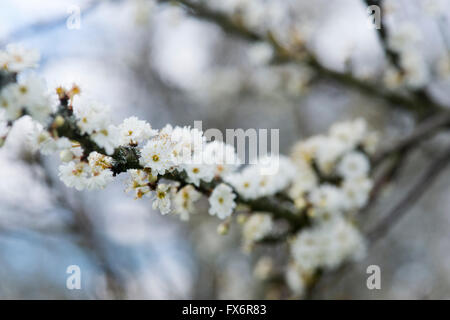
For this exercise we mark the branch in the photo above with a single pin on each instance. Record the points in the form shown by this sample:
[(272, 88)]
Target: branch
[(427, 128), (127, 157), (388, 175), (421, 105), (398, 151), (392, 55), (428, 177)]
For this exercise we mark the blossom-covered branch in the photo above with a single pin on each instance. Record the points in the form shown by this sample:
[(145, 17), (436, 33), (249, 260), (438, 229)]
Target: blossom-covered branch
[(316, 191), (233, 20), (424, 130), (393, 56)]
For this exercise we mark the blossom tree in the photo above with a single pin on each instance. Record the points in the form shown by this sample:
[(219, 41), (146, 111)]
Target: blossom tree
[(313, 200)]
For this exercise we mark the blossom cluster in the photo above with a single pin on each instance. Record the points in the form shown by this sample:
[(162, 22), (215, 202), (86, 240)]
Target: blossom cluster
[(326, 178), (413, 73), (332, 183), (21, 95), (267, 79), (409, 70), (259, 15)]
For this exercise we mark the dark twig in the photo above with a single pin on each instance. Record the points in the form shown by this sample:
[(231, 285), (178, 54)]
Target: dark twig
[(427, 128), (428, 177), (392, 56), (422, 106), (389, 174), (391, 218)]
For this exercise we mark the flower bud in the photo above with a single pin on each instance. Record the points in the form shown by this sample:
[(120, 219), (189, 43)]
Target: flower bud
[(58, 122), (223, 228), (300, 202), (60, 92)]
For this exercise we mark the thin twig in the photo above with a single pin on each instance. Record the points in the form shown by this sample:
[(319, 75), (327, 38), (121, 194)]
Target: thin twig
[(420, 94), (418, 190), (389, 221), (422, 106), (389, 174), (427, 128), (393, 57)]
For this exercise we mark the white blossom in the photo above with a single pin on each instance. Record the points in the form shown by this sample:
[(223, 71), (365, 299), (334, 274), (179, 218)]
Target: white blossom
[(264, 268), (138, 182), (134, 131), (244, 183), (99, 162), (107, 138), (92, 116), (186, 143), (198, 172), (305, 180), (95, 174), (221, 201), (66, 155), (370, 142), (99, 179), (40, 139), (34, 96), (257, 226), (415, 69), (296, 279), (327, 200), (351, 133), (162, 198), (222, 156), (404, 37), (327, 154), (184, 201), (354, 165), (327, 245), (16, 58), (9, 103), (305, 150), (278, 170), (74, 174), (270, 175), (157, 155), (356, 192), (3, 124), (28, 93)]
